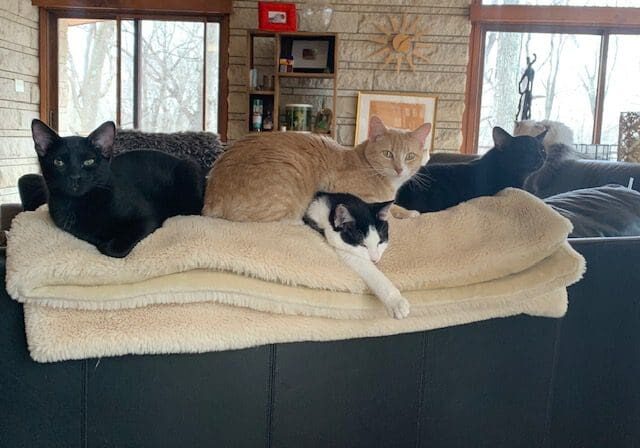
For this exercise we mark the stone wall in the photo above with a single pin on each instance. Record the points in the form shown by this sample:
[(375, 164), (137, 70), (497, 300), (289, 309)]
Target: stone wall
[(446, 26), (18, 71)]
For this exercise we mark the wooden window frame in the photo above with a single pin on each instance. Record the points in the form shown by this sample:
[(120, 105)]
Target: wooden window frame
[(48, 44), (602, 21)]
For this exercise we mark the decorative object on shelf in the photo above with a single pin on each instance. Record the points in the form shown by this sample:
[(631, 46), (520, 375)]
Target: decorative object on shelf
[(253, 78), (310, 55), (278, 47), (276, 16), (322, 123), (285, 65), (526, 90), (267, 123), (315, 15), (298, 117), (404, 111), (400, 43), (629, 138)]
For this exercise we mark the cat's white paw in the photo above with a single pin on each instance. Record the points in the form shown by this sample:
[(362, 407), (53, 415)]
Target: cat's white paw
[(402, 213), (399, 308), (413, 214)]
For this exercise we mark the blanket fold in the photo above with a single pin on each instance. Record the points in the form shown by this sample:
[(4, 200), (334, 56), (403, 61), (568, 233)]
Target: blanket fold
[(489, 257)]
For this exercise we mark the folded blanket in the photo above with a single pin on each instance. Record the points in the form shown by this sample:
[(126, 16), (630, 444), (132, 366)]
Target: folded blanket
[(485, 258)]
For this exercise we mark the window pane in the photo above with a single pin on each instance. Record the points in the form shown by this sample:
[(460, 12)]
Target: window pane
[(622, 91), (87, 74), (213, 73), (564, 86), (127, 43), (618, 3), (171, 76)]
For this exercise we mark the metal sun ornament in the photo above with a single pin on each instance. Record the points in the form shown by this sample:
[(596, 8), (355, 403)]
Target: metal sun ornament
[(400, 43)]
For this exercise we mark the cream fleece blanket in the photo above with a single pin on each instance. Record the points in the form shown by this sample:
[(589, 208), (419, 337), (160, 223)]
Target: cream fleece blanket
[(486, 258)]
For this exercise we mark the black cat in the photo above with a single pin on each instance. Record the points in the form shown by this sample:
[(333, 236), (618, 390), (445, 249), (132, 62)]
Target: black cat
[(437, 187), (113, 203)]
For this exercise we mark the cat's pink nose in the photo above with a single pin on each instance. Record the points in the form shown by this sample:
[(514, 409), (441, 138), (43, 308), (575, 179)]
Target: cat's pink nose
[(398, 170)]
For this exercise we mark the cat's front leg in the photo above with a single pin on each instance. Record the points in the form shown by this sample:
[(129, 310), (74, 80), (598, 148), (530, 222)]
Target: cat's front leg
[(129, 234), (402, 213), (397, 306)]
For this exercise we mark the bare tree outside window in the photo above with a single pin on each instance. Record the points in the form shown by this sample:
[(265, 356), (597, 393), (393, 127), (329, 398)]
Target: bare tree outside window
[(564, 88), (612, 3), (622, 86), (170, 74), (87, 74)]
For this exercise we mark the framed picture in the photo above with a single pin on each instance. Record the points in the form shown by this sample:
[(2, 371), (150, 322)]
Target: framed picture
[(406, 111), (276, 16), (310, 55)]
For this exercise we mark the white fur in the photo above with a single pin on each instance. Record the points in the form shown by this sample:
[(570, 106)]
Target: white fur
[(557, 133), (397, 306), (362, 259)]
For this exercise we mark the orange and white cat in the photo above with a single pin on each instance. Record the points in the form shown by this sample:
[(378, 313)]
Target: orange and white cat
[(274, 176)]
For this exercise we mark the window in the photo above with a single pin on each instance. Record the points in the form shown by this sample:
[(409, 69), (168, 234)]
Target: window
[(610, 3), (564, 87), (168, 72), (585, 58), (153, 66)]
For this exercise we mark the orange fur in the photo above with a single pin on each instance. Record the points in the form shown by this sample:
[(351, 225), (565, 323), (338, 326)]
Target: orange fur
[(273, 176)]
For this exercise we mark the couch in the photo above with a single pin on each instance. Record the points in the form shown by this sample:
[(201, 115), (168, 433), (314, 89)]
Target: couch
[(514, 382)]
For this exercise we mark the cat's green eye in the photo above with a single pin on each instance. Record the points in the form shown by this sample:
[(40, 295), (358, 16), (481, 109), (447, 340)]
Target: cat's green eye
[(387, 154), (410, 156), (58, 162), (89, 162)]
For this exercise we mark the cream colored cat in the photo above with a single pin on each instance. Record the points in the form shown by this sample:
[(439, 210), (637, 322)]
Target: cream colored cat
[(274, 176)]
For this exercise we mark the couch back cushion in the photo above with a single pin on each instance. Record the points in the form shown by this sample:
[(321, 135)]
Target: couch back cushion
[(607, 211)]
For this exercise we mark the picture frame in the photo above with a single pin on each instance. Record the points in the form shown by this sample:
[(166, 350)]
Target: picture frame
[(276, 16), (406, 111), (310, 55)]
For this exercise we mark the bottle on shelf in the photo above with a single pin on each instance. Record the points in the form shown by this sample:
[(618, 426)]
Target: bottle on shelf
[(267, 123), (256, 117)]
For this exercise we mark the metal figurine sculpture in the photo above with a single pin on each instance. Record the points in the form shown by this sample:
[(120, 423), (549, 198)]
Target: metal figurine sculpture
[(524, 105)]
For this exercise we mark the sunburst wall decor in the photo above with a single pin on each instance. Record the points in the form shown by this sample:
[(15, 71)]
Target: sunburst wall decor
[(400, 43)]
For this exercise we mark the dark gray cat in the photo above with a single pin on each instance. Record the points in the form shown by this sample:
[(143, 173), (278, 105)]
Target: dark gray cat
[(566, 170)]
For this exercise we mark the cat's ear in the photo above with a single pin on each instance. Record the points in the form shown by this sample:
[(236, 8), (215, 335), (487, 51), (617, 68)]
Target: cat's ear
[(382, 210), (540, 137), (103, 138), (421, 133), (501, 138), (43, 136), (376, 128), (342, 216)]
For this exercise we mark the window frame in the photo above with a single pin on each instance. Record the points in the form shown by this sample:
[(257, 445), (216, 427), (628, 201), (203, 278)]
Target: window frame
[(48, 41), (601, 21)]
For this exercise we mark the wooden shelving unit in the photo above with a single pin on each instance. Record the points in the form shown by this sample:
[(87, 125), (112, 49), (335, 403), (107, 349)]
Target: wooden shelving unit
[(282, 43)]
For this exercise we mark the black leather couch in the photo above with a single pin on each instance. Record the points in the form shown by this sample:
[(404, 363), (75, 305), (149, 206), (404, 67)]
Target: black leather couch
[(513, 382)]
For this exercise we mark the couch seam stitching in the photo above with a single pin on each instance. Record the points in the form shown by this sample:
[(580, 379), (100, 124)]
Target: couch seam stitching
[(421, 386)]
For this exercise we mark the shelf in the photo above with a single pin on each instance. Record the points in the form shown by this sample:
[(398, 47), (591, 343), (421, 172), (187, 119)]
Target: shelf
[(262, 92), (306, 75)]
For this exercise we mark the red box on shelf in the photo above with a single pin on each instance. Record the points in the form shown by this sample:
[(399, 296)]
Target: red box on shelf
[(275, 16)]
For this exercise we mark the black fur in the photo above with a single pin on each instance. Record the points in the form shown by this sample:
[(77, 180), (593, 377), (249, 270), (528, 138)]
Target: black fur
[(33, 191), (363, 215), (113, 203), (566, 170), (439, 186)]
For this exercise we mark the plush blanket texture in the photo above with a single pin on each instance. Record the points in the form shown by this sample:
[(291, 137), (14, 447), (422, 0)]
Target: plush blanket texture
[(214, 285)]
